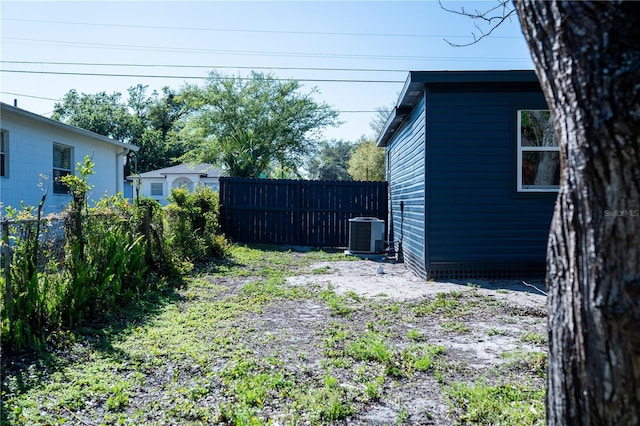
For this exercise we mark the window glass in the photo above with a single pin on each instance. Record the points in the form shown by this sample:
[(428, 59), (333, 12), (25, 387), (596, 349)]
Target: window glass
[(538, 152), (3, 153), (61, 167), (156, 188)]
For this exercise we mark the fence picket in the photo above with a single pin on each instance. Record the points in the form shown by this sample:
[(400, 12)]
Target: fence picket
[(297, 212)]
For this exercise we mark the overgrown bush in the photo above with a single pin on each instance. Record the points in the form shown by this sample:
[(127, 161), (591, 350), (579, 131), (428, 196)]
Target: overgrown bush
[(30, 292), (114, 253), (193, 224)]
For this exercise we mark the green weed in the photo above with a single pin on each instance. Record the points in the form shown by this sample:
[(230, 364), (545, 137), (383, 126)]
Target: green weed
[(527, 361), (369, 347), (447, 304), (455, 327), (535, 338), (414, 335), (338, 305), (504, 404)]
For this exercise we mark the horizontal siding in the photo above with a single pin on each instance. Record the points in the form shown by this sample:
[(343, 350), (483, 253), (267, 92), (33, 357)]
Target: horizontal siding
[(475, 213), (406, 176)]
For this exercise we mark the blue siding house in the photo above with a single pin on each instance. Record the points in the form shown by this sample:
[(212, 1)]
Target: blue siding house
[(473, 172)]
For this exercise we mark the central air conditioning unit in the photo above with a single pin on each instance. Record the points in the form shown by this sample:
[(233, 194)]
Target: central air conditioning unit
[(366, 235)]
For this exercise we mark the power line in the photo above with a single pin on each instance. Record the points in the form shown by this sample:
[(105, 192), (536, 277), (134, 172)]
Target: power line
[(60, 99), (246, 30), (95, 74), (29, 96), (98, 64), (264, 53)]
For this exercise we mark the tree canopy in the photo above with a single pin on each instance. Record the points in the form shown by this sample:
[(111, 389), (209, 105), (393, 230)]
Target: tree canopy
[(254, 125), (331, 161), (101, 113), (150, 122), (367, 161)]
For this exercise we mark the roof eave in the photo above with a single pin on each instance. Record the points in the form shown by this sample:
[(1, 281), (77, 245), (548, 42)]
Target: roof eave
[(416, 82), (66, 127)]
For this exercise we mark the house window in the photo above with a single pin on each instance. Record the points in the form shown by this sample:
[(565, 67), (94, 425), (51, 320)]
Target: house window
[(215, 186), (61, 167), (156, 189), (538, 152), (183, 182), (4, 154)]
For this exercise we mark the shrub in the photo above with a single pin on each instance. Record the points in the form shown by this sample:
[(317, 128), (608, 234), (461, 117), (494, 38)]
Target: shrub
[(193, 224)]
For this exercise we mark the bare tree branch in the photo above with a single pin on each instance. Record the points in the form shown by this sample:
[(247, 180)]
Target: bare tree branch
[(493, 17)]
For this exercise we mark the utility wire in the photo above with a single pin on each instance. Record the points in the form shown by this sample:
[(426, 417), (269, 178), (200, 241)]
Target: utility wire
[(98, 64), (183, 77), (252, 30), (60, 99), (29, 96), (263, 53)]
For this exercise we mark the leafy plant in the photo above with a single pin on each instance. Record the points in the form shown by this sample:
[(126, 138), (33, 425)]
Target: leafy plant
[(449, 304), (194, 230), (455, 326), (369, 347), (504, 404), (338, 305)]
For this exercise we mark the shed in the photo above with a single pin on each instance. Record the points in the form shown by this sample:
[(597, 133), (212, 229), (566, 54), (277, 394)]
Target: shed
[(158, 183), (473, 172)]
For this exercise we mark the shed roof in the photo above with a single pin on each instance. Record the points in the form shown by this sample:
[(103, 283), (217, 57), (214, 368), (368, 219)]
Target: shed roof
[(416, 82), (6, 108), (202, 169)]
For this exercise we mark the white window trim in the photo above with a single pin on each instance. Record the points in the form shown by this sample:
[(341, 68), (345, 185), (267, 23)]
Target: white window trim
[(520, 149), (155, 184), (5, 152), (71, 163)]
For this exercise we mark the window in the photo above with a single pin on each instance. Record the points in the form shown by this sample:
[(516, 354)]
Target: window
[(156, 188), (183, 182), (538, 152), (61, 167), (4, 154)]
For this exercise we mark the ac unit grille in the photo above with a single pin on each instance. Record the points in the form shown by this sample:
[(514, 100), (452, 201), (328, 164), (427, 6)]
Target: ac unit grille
[(360, 237), (366, 235)]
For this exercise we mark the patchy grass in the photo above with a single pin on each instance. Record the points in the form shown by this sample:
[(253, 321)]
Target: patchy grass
[(455, 327), (235, 344), (500, 404), (447, 304), (535, 338)]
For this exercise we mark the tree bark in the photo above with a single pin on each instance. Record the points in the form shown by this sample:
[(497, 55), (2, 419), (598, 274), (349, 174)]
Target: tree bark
[(587, 57)]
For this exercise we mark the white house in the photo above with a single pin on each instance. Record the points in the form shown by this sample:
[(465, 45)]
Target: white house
[(158, 183), (33, 146)]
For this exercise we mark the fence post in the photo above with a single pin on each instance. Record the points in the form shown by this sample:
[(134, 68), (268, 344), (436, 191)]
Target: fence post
[(148, 214), (6, 267)]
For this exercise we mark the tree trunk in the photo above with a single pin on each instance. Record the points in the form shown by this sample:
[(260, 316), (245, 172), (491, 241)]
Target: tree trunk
[(587, 57)]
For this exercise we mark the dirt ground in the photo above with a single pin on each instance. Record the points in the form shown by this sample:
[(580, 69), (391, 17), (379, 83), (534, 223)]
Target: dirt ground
[(379, 277), (475, 353), (495, 334)]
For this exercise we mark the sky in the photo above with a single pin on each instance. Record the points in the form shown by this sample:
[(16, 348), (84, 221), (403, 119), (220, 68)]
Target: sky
[(354, 56)]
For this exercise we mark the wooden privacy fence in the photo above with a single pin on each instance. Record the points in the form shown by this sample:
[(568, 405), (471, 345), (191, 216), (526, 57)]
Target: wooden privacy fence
[(297, 212)]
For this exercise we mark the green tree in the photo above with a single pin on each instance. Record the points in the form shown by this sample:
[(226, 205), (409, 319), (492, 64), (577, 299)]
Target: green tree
[(101, 113), (367, 161), (254, 125), (380, 119), (150, 122), (160, 142), (332, 161)]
